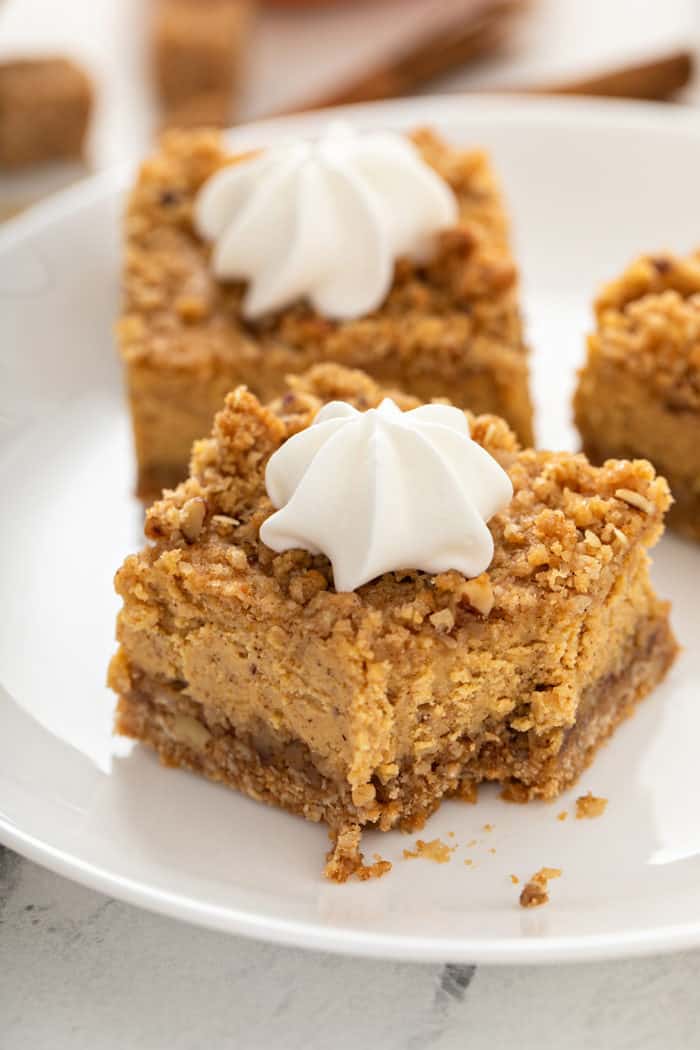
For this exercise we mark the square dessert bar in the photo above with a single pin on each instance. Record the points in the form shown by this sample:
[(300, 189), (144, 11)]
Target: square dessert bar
[(366, 708), (639, 391), (45, 106), (449, 328)]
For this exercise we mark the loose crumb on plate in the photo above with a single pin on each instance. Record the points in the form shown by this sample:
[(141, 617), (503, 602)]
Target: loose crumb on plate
[(436, 850), (563, 815), (514, 879), (469, 862), (588, 806), (487, 827), (534, 892), (492, 849), (471, 843), (373, 871)]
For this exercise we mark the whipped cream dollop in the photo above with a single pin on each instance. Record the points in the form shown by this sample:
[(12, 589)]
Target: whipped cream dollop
[(323, 219), (383, 490)]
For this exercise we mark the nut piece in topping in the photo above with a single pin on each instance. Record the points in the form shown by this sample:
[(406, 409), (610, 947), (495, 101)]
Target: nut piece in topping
[(443, 620), (479, 593), (192, 518), (635, 499)]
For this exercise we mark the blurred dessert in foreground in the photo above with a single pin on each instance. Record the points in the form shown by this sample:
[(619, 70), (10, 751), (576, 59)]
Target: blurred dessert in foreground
[(638, 393), (222, 267)]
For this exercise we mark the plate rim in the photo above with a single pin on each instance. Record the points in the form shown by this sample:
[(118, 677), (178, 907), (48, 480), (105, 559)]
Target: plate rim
[(634, 114), (510, 951), (596, 113)]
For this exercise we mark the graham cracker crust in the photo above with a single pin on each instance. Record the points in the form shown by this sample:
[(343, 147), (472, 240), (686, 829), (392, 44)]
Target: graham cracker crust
[(284, 774)]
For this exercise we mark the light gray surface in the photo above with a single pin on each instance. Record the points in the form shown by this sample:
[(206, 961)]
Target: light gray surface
[(79, 970)]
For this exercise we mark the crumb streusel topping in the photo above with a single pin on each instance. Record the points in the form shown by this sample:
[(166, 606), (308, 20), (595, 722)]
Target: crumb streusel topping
[(649, 323), (563, 536), (465, 293)]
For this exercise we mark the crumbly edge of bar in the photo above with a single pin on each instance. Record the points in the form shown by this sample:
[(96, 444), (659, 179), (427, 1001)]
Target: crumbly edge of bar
[(289, 778), (684, 514), (563, 537), (619, 415), (648, 321)]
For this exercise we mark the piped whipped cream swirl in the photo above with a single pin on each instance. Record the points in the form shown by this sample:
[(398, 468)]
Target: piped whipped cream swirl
[(323, 219), (385, 490)]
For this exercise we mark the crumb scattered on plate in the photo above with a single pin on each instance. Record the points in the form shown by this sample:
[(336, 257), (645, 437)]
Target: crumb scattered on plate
[(488, 827), (492, 849), (373, 871), (469, 862), (534, 892), (563, 815), (588, 806), (436, 850), (514, 879), (471, 843)]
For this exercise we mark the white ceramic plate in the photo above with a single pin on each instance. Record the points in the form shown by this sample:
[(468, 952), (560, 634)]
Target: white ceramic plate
[(589, 187)]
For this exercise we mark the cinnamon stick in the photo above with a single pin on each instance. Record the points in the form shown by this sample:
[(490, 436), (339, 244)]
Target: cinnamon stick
[(658, 79), (448, 47)]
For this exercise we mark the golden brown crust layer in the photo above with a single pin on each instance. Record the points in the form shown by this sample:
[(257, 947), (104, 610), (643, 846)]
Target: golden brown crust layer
[(451, 328)]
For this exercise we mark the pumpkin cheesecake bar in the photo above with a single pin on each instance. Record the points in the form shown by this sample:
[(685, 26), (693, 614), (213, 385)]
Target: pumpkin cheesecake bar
[(366, 707), (447, 324), (638, 393)]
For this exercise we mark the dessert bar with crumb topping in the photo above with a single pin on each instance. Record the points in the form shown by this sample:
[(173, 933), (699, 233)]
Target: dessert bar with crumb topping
[(450, 327), (639, 391), (365, 709)]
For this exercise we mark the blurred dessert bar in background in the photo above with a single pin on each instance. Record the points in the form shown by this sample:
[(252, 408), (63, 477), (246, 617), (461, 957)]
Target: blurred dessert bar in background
[(447, 326), (199, 48), (638, 394), (45, 106)]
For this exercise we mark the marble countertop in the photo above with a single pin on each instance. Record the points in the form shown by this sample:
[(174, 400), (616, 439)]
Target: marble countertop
[(80, 970)]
